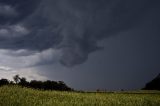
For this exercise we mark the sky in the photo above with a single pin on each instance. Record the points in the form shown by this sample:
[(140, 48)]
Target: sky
[(88, 44)]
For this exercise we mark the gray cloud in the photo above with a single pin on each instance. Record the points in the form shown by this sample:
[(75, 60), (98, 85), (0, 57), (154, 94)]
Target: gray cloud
[(2, 68), (16, 10), (72, 26), (25, 58), (7, 10)]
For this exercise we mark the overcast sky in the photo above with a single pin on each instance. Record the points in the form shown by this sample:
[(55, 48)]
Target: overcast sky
[(88, 44)]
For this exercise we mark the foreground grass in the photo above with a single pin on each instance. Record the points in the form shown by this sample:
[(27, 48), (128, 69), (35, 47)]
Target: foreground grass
[(17, 96)]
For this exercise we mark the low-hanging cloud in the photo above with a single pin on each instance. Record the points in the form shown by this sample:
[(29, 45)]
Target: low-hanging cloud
[(72, 26)]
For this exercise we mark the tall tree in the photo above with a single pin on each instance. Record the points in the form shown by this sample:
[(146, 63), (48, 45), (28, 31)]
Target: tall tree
[(16, 78)]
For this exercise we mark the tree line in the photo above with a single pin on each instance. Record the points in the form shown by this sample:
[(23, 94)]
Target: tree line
[(41, 85), (61, 86)]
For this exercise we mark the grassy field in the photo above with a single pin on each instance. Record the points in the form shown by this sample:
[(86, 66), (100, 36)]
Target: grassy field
[(17, 96)]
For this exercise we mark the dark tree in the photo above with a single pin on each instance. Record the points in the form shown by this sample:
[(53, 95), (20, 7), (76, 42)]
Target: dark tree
[(11, 83), (4, 82), (23, 82), (36, 84), (16, 78), (42, 85), (154, 84)]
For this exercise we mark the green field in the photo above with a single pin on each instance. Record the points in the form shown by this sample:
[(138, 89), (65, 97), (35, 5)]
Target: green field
[(18, 96)]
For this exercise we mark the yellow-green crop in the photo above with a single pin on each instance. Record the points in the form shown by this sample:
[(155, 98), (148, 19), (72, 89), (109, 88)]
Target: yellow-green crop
[(18, 96)]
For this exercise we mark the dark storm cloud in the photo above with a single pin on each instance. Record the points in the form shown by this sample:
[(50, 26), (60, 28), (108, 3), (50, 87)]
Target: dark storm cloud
[(72, 26), (22, 7)]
